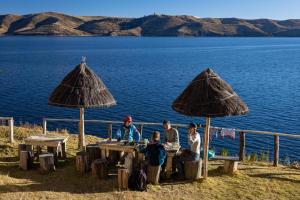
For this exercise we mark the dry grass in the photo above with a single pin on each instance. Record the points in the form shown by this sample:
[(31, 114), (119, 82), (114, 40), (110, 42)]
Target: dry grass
[(253, 181)]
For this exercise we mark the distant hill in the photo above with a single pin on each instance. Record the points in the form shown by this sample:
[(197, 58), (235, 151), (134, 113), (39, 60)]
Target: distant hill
[(50, 23)]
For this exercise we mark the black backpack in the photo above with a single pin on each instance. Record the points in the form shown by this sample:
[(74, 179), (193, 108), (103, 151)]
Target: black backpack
[(137, 180)]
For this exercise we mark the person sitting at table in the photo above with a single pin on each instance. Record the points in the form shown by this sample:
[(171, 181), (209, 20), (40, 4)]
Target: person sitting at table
[(155, 152), (171, 134), (192, 154), (171, 139), (128, 131)]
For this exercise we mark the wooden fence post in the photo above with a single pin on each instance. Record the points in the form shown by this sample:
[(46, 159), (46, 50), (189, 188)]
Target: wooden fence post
[(276, 150), (141, 130), (11, 130), (242, 146), (44, 126), (109, 130), (206, 146)]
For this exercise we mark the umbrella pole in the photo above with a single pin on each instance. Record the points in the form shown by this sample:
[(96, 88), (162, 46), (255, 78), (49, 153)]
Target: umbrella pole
[(206, 145), (81, 130)]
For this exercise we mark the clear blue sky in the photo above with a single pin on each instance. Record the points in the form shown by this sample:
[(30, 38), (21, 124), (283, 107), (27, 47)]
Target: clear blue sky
[(275, 9)]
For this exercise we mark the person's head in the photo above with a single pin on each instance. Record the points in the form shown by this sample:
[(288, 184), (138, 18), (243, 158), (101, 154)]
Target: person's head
[(192, 128), (166, 124), (127, 120), (156, 136)]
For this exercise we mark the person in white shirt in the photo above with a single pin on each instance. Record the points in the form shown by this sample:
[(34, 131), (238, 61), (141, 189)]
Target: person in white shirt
[(192, 154)]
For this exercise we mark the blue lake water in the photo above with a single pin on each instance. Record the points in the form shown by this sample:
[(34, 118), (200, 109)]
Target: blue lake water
[(145, 75)]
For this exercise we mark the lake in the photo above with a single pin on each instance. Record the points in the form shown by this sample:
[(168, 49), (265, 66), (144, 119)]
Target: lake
[(146, 74)]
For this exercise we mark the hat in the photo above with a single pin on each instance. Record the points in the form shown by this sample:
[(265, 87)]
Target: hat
[(192, 125), (127, 119)]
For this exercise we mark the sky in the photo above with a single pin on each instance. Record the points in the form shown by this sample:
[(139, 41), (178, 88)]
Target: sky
[(247, 9)]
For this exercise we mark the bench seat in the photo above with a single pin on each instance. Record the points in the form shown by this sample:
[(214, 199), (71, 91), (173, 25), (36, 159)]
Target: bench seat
[(230, 163)]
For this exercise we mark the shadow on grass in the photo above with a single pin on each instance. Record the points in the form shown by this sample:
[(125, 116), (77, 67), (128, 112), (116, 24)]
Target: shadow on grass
[(9, 159), (64, 179), (277, 176)]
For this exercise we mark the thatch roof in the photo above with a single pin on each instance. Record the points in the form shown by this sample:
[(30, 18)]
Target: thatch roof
[(81, 88), (209, 96)]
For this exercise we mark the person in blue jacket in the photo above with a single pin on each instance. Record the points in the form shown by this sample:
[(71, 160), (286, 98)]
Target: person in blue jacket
[(128, 131), (155, 152)]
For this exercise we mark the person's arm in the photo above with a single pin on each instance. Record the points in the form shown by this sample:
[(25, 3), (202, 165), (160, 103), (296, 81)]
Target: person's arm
[(176, 137), (199, 140), (190, 140), (165, 135), (119, 134), (137, 134), (162, 154)]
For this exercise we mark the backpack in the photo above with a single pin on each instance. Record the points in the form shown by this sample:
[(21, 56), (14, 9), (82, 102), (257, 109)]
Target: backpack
[(137, 180)]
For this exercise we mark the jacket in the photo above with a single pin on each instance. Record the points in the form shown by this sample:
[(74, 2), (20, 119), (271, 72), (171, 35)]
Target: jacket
[(155, 153), (128, 133)]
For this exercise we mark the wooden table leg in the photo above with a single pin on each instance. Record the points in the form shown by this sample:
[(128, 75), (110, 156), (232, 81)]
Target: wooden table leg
[(103, 154), (168, 168), (38, 151), (63, 150), (128, 162)]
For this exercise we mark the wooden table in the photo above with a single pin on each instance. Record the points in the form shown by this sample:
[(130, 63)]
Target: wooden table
[(53, 143), (113, 145)]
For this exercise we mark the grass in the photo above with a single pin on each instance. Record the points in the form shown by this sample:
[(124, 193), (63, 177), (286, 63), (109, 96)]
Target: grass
[(254, 180)]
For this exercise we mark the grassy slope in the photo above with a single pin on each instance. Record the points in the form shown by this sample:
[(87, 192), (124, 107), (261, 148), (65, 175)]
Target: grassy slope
[(253, 181)]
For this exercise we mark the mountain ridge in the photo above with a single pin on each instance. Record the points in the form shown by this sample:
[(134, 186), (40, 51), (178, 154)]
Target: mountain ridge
[(59, 24)]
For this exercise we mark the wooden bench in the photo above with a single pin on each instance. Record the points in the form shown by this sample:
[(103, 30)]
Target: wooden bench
[(230, 163)]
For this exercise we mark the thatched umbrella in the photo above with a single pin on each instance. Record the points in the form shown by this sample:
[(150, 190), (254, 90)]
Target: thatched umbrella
[(209, 96), (81, 88)]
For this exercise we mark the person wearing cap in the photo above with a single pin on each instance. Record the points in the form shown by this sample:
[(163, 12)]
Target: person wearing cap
[(128, 131), (191, 154), (171, 134)]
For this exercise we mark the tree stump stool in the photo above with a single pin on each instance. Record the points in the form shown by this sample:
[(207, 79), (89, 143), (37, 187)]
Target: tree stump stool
[(26, 160), (192, 169), (94, 152), (46, 162), (54, 151), (123, 176), (21, 147), (100, 168), (82, 162), (24, 147), (153, 173), (230, 166)]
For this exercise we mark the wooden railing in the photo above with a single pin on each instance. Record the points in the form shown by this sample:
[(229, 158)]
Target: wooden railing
[(11, 127), (140, 125)]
